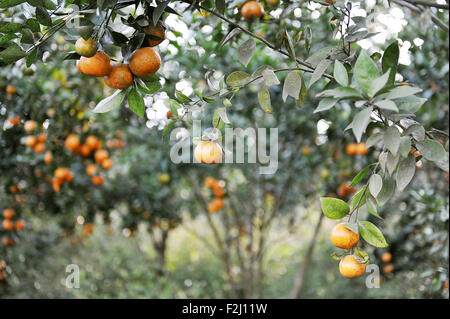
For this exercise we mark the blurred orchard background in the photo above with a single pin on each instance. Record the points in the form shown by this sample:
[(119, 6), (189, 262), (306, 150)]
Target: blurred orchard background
[(144, 227)]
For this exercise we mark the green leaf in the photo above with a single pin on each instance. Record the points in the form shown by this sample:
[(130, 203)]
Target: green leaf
[(11, 27), (31, 57), (360, 122), (360, 176), (372, 235), (387, 105), (10, 3), (390, 61), (238, 79), (431, 150), (168, 127), (352, 226), (217, 121), (182, 98), (375, 184), (405, 146), (410, 104), (319, 71), (7, 37), (340, 73), (303, 94), (365, 72), (341, 92), (110, 103), (386, 191), (359, 199), (374, 139), (326, 104), (292, 85), (136, 103), (43, 17), (11, 54), (406, 171), (371, 208), (33, 25), (264, 98), (400, 92), (246, 51), (334, 208), (27, 37), (153, 86), (392, 139)]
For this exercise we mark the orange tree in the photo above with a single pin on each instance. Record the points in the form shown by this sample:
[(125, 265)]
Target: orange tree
[(369, 84)]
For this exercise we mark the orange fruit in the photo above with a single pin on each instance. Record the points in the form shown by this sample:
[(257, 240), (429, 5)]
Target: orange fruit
[(48, 157), (88, 229), (251, 9), (344, 190), (60, 173), (56, 185), (145, 62), (42, 138), (30, 141), (388, 268), (7, 224), (218, 191), (92, 142), (72, 142), (19, 225), (2, 265), (14, 120), (215, 205), (208, 152), (361, 149), (85, 150), (386, 257), (69, 176), (111, 143), (107, 163), (97, 180), (39, 147), (14, 189), (210, 182), (101, 155), (120, 77), (91, 169), (86, 48), (351, 268), (98, 65), (11, 89), (169, 114), (29, 126), (343, 237), (352, 149), (8, 213), (155, 35)]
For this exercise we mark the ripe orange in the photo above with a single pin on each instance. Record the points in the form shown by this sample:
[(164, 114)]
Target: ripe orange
[(98, 65), (92, 142), (8, 213), (215, 205), (145, 62), (218, 191), (19, 225), (352, 149), (11, 89), (386, 257), (251, 9), (56, 184), (351, 268), (388, 268), (88, 229), (7, 224), (42, 138), (85, 150), (39, 147), (155, 35), (97, 180), (86, 48), (120, 77), (107, 163), (14, 120), (2, 265), (72, 142), (14, 189), (29, 126), (60, 173), (91, 169), (169, 114), (208, 152), (210, 182), (30, 141), (343, 237), (361, 149), (101, 155), (344, 190), (48, 157)]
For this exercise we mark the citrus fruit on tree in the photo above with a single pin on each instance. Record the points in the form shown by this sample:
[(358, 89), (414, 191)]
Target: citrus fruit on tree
[(19, 225), (92, 142), (7, 224), (8, 213), (386, 257), (91, 169), (97, 65), (39, 147), (101, 155), (11, 89), (29, 126), (208, 152), (251, 10), (86, 48), (30, 141), (107, 163), (97, 180), (343, 237), (120, 77), (72, 142), (349, 267), (145, 62), (155, 34), (388, 268)]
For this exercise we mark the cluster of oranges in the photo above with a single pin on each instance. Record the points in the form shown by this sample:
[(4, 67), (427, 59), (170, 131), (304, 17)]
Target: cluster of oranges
[(386, 257), (36, 142), (252, 10), (344, 238), (2, 270), (91, 145), (217, 187), (8, 223), (60, 176), (344, 190), (143, 63), (356, 149), (208, 152)]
